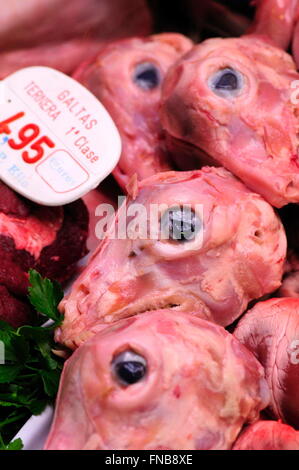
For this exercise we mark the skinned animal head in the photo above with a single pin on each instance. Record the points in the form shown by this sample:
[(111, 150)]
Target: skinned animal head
[(235, 103), (157, 381), (186, 241), (127, 78)]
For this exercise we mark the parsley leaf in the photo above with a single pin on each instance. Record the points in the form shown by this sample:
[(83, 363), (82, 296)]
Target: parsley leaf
[(29, 376), (9, 373), (17, 444), (45, 296)]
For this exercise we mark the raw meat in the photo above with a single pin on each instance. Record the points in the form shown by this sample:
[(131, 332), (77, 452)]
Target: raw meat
[(275, 19), (235, 254), (271, 331), (127, 77), (49, 239), (278, 20), (232, 101), (157, 381), (62, 34), (268, 435)]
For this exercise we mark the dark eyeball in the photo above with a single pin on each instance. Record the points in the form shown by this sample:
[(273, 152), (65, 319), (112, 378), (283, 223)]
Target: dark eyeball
[(227, 83), (180, 223), (129, 367), (147, 76)]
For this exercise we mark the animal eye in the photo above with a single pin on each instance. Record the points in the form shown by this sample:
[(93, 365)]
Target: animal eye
[(226, 83), (147, 76), (129, 367), (180, 223)]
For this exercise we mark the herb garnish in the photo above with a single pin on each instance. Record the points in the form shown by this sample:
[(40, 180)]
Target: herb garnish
[(30, 374)]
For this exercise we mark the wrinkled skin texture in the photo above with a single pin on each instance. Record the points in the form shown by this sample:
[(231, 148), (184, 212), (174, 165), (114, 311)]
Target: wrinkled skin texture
[(254, 132), (201, 386), (271, 331), (134, 110), (237, 256), (61, 34), (268, 435), (48, 239)]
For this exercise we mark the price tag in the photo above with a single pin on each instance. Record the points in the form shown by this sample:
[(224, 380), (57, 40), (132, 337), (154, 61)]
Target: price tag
[(57, 141)]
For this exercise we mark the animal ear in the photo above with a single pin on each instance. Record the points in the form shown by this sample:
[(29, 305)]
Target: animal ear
[(71, 428), (179, 42)]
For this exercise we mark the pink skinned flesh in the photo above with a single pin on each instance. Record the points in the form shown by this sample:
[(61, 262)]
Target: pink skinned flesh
[(135, 110), (236, 257), (200, 388), (253, 134), (61, 34), (268, 435), (271, 331)]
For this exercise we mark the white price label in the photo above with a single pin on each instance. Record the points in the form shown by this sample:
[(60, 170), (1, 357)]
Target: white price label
[(57, 141)]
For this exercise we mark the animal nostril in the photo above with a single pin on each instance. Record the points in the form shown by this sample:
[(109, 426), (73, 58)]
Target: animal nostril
[(84, 289), (95, 274)]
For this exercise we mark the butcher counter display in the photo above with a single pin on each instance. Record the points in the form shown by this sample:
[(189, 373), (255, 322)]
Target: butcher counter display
[(161, 310)]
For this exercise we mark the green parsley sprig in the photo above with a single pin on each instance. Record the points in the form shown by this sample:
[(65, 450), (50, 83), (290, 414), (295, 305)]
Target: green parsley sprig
[(30, 374)]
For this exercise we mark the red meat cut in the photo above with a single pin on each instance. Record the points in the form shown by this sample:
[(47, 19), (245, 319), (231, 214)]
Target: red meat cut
[(48, 239), (61, 34)]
